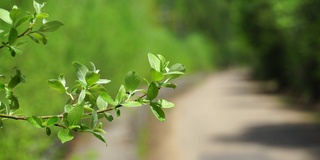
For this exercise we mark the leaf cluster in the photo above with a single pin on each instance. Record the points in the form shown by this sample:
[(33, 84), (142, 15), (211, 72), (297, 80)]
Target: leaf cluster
[(16, 18)]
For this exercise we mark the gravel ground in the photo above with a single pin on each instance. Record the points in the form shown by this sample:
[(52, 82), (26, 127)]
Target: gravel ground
[(223, 117)]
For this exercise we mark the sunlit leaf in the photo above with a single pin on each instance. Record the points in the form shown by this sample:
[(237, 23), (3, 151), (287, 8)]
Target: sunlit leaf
[(155, 75), (157, 111), (106, 97), (101, 103), (99, 136), (94, 119), (132, 104), (132, 80), (65, 135), (50, 26), (56, 85), (35, 121), (53, 120), (165, 104), (82, 95), (75, 115), (121, 95), (5, 16), (81, 71), (154, 62), (92, 77)]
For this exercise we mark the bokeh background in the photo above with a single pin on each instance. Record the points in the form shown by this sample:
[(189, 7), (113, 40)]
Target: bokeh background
[(276, 40)]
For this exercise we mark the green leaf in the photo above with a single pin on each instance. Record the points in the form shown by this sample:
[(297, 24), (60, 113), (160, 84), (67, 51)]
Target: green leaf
[(23, 20), (35, 121), (166, 104), (157, 111), (101, 103), (132, 104), (103, 81), (155, 75), (38, 37), (82, 95), (3, 108), (169, 85), (42, 15), (14, 103), (15, 14), (65, 135), (75, 115), (153, 91), (106, 97), (48, 131), (121, 96), (56, 85), (94, 119), (37, 6), (154, 62), (92, 77), (178, 67), (108, 116), (67, 108), (81, 71), (50, 26), (51, 121), (99, 136), (5, 16), (132, 80), (13, 35), (118, 113)]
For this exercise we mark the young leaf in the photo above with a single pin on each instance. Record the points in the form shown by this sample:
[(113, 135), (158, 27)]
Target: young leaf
[(94, 119), (106, 97), (92, 77), (165, 104), (51, 121), (155, 75), (37, 6), (153, 91), (178, 67), (81, 71), (5, 16), (108, 116), (154, 62), (101, 103), (157, 111), (23, 20), (75, 115), (57, 85), (13, 35), (99, 136), (132, 80), (67, 108), (82, 95), (118, 113), (132, 104), (121, 96), (35, 121), (14, 103), (65, 135), (15, 14), (38, 37), (50, 26), (103, 81), (48, 131)]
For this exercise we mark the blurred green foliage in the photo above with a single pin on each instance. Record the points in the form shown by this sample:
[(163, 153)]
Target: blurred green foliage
[(115, 35), (279, 40)]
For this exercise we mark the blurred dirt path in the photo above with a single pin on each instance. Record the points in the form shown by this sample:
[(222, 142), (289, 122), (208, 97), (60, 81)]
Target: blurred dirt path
[(226, 117)]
